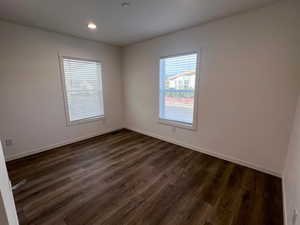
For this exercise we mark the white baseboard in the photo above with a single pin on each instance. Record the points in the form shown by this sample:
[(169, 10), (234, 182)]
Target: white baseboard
[(208, 152), (192, 147), (284, 200), (56, 145)]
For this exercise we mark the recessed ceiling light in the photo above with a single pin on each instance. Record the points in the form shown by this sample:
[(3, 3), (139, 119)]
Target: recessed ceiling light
[(92, 26), (125, 4)]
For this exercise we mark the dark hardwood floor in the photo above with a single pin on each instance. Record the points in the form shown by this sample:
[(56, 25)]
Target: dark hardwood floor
[(126, 178)]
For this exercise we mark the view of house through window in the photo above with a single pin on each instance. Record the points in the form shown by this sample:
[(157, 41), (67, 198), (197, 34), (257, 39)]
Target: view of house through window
[(83, 89), (177, 88)]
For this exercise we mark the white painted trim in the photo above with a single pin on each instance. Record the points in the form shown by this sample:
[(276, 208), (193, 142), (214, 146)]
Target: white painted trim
[(173, 123), (208, 152), (284, 200), (56, 145), (6, 195), (171, 140)]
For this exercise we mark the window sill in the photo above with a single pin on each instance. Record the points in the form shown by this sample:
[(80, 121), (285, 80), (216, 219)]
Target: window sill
[(82, 121), (177, 124)]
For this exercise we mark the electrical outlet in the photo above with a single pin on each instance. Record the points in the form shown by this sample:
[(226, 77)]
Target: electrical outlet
[(295, 216), (8, 142)]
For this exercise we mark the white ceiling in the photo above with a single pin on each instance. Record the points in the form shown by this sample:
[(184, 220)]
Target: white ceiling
[(144, 19)]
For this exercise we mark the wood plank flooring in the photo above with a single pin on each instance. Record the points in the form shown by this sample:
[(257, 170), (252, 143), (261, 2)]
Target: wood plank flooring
[(126, 178)]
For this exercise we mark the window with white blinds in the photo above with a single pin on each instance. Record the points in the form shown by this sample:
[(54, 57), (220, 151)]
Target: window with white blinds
[(83, 89), (178, 78)]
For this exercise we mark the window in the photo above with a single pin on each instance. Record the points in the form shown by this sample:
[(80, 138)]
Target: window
[(83, 89), (177, 90)]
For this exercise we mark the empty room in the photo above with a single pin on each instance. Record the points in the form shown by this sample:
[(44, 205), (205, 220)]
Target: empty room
[(150, 112)]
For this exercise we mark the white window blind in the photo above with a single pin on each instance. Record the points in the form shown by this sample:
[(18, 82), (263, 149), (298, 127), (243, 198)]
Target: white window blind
[(177, 88), (83, 89)]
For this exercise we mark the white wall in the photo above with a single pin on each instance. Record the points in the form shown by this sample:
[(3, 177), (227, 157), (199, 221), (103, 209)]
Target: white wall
[(32, 108), (291, 176), (3, 218), (8, 214), (248, 85), (247, 93)]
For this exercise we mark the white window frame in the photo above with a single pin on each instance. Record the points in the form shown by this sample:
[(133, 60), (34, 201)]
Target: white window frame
[(65, 96), (174, 123)]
